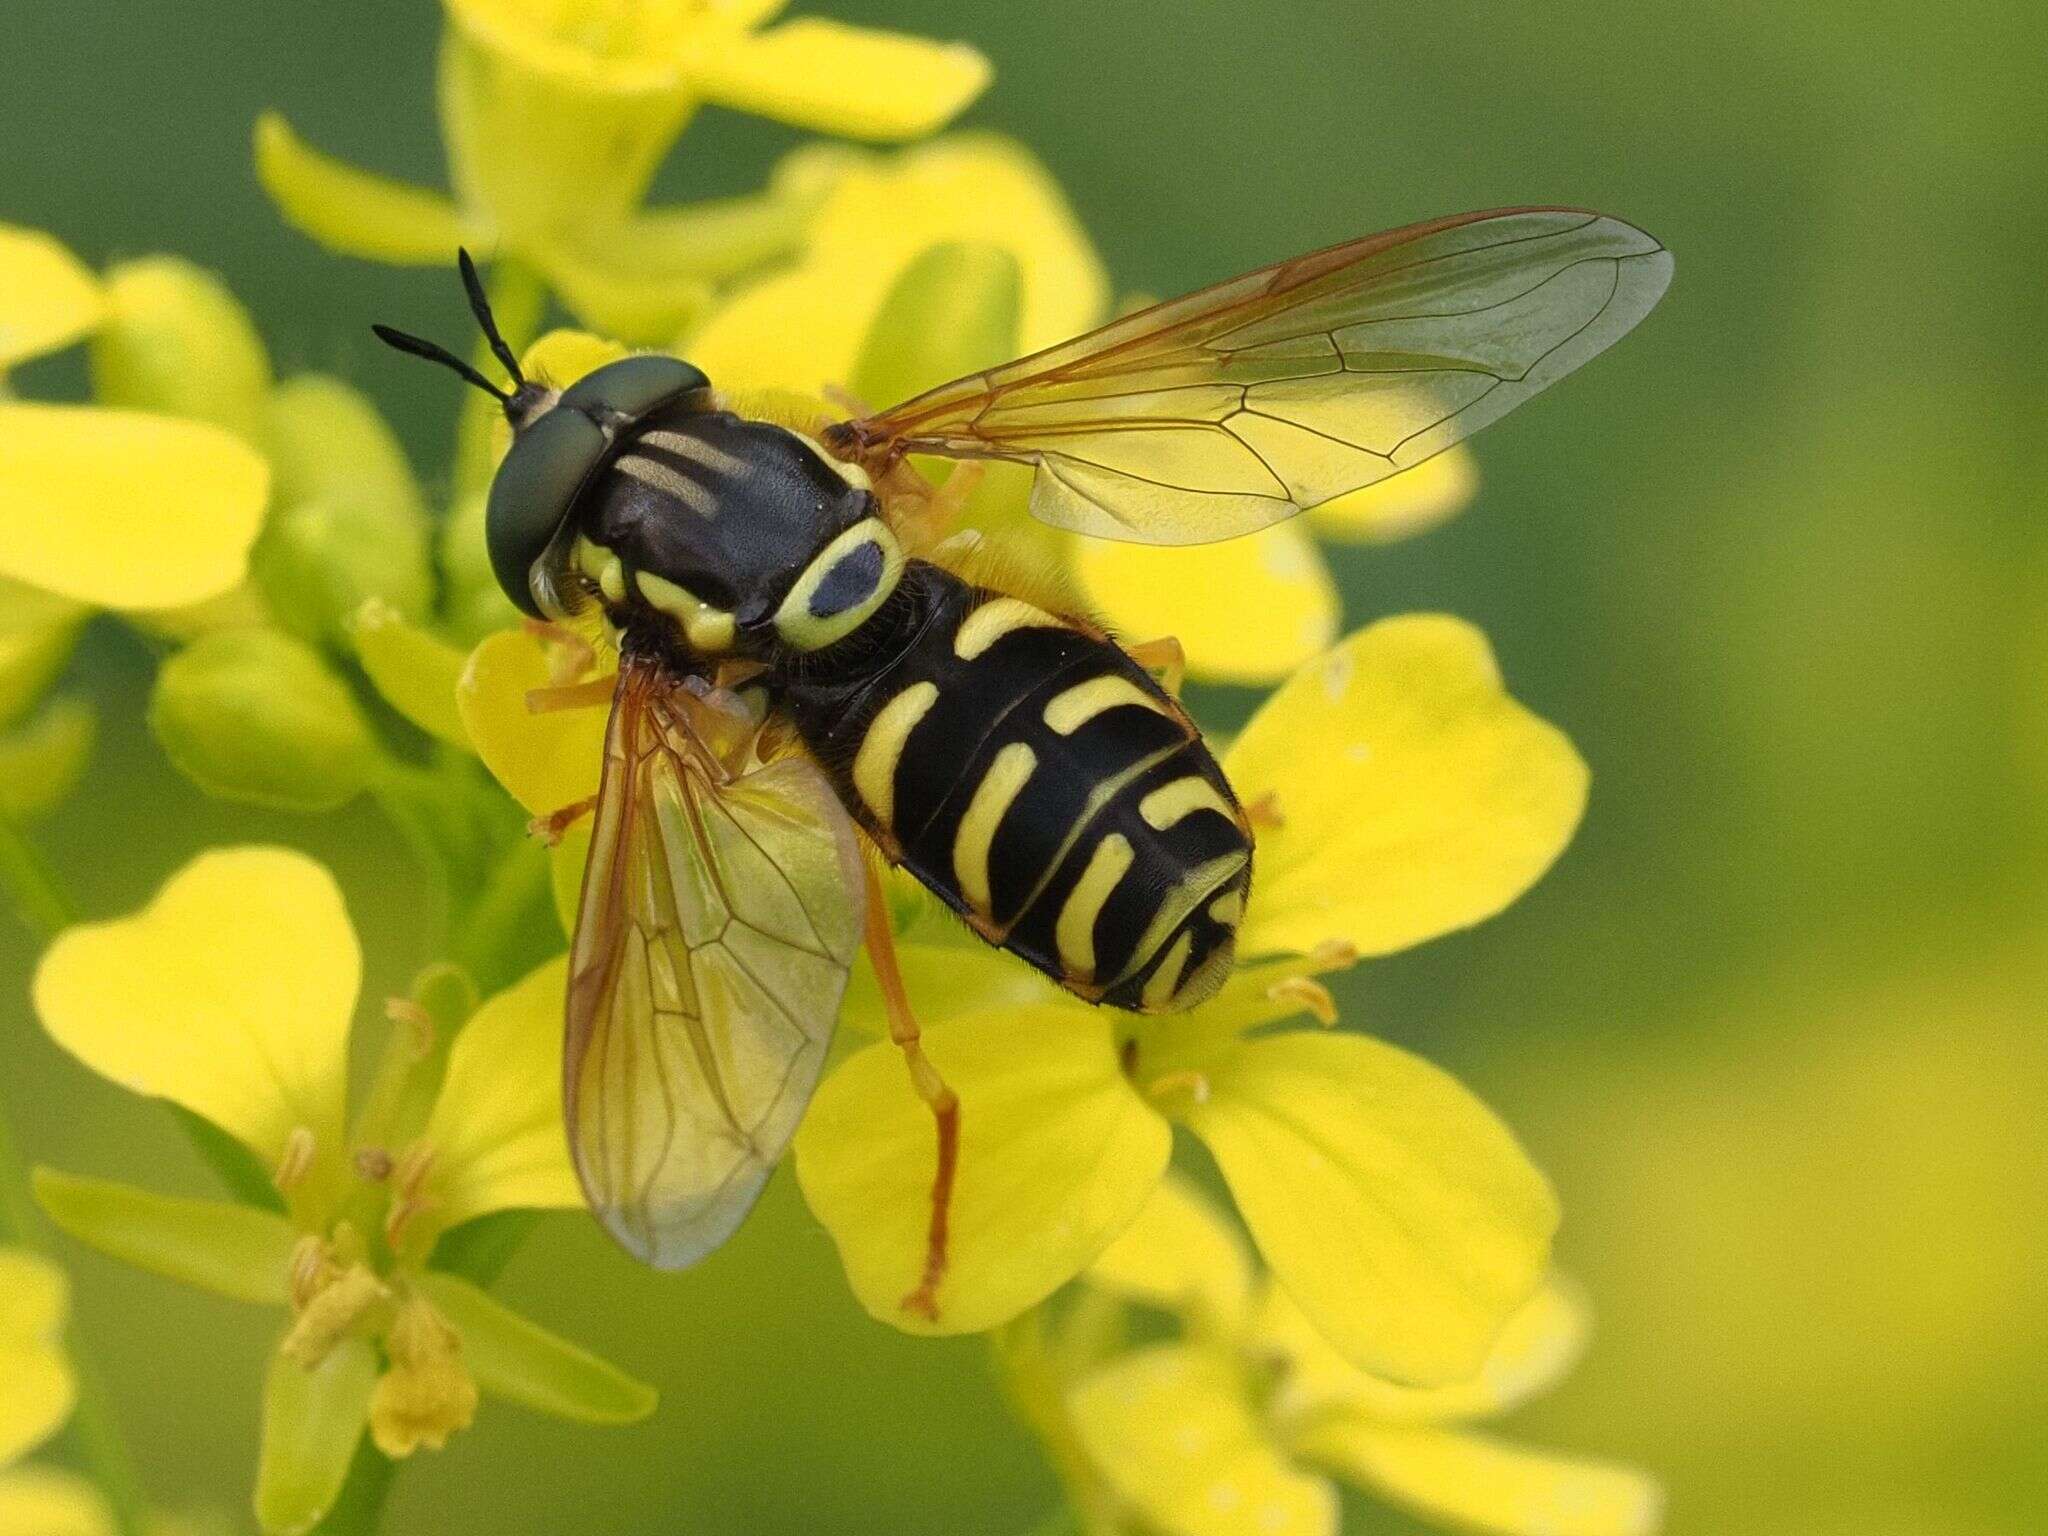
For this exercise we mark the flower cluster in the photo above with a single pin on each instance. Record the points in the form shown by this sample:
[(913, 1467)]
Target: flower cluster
[(331, 635)]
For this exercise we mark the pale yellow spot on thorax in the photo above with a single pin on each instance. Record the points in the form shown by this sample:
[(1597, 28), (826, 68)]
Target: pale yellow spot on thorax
[(1171, 803), (995, 619), (998, 789), (1074, 932), (874, 765), (1074, 707), (806, 631), (707, 629)]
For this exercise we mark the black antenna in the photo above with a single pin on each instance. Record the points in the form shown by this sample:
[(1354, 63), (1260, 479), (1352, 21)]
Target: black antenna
[(480, 306), (433, 353)]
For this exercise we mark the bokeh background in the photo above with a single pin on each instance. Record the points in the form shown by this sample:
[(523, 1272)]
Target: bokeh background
[(1777, 564)]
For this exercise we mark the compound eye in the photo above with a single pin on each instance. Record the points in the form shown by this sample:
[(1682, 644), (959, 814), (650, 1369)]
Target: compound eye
[(841, 587), (533, 492)]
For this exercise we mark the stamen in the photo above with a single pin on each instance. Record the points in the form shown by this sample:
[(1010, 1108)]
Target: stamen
[(1334, 955), (309, 1270), (413, 1016), (1194, 1084), (1308, 993), (295, 1161), (407, 1199), (1264, 812), (373, 1165)]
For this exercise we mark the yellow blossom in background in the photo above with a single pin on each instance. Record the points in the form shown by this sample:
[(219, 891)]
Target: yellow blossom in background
[(1239, 1422), (37, 1397), (232, 995), (557, 113)]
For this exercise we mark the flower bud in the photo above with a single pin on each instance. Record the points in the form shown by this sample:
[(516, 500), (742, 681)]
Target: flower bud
[(953, 312), (348, 521), (176, 340), (256, 716)]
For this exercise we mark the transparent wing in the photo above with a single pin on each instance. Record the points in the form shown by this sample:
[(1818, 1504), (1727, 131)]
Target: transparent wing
[(722, 906), (1215, 414)]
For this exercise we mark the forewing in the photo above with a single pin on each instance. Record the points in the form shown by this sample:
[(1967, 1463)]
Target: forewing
[(721, 910), (1215, 414)]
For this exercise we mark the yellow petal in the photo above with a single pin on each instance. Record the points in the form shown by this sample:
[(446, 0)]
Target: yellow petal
[(44, 1501), (1171, 1429), (37, 630), (496, 1130), (1057, 1154), (1410, 502), (803, 328), (851, 81), (415, 672), (946, 981), (545, 761), (1247, 610), (1538, 1346), (229, 994), (1393, 1205), (350, 210), (1184, 1254), (563, 356), (48, 299), (1416, 797), (1479, 1483), (34, 1300), (123, 509)]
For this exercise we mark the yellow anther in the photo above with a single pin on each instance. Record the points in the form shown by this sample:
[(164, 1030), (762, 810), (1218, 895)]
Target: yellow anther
[(415, 1018), (1188, 1081), (1334, 955), (296, 1160), (347, 1302), (427, 1394), (408, 1179), (1308, 993), (311, 1268)]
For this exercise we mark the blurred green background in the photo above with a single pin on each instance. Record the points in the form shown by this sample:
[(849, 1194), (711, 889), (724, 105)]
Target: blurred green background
[(1777, 565)]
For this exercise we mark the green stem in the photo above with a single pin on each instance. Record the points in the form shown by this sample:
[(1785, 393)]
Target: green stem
[(31, 885), (93, 1435)]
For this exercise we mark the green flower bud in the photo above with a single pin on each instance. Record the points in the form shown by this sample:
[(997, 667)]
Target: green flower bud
[(257, 716), (176, 340), (348, 521), (953, 312), (40, 761)]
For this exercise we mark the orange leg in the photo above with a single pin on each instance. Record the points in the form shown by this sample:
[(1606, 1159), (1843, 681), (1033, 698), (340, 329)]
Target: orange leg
[(549, 828), (1165, 657), (943, 1102), (572, 656), (584, 695)]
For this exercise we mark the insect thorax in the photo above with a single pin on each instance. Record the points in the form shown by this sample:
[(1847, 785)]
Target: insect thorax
[(717, 535)]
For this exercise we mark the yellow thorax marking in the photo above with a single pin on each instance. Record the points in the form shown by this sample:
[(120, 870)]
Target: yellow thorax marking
[(807, 631), (697, 451), (602, 567), (874, 765), (1160, 985), (697, 498), (1170, 803), (999, 786), (1075, 931), (708, 630), (1074, 707), (995, 619)]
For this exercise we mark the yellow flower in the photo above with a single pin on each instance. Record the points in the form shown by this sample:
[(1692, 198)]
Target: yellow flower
[(1234, 1425), (231, 995), (557, 113), (111, 508), (1415, 797), (40, 1392), (821, 324)]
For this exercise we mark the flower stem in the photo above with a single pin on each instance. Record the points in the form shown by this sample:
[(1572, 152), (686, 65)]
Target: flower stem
[(93, 1433), (30, 884)]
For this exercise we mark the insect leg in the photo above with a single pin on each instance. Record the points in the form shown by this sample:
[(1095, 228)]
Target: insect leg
[(585, 695), (1165, 657), (549, 828), (943, 1102)]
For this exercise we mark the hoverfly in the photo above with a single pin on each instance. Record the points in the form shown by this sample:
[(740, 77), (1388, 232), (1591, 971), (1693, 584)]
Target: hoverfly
[(806, 678)]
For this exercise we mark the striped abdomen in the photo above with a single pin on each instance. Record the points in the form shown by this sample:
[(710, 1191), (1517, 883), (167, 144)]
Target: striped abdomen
[(1036, 778)]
